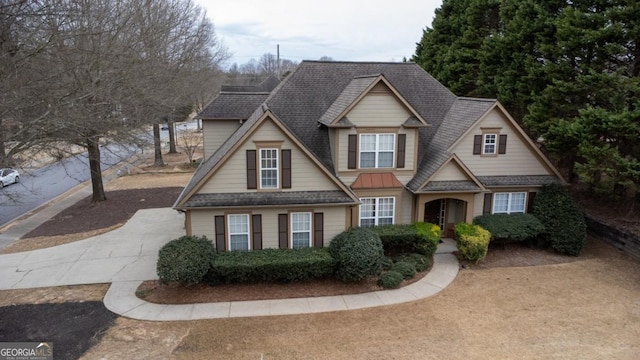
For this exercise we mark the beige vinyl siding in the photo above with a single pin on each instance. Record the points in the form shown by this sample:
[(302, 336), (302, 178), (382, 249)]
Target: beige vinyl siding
[(216, 132), (202, 222), (518, 160), (450, 172), (405, 204), (231, 177), (378, 110), (411, 148), (478, 204)]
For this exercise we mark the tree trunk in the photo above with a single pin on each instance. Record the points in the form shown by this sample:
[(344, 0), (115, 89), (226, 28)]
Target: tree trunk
[(172, 138), (93, 149), (3, 153), (156, 146)]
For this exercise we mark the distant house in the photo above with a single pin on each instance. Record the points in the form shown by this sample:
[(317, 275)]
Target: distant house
[(343, 144)]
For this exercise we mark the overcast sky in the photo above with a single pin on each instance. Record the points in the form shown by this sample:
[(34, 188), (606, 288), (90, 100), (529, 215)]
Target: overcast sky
[(351, 30)]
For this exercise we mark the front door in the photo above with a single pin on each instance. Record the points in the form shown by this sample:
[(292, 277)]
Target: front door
[(432, 212)]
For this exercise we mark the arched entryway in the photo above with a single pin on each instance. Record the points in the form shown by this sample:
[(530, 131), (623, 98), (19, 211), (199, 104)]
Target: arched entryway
[(445, 212)]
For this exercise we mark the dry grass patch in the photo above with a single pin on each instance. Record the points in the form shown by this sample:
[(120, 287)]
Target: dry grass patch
[(149, 180), (58, 294), (587, 309)]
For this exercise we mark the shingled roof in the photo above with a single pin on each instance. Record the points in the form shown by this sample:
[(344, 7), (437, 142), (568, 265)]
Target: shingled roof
[(233, 106), (463, 113), (305, 95)]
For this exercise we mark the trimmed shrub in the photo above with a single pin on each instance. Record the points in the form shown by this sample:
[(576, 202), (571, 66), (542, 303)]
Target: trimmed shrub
[(421, 262), (390, 280), (185, 260), (429, 238), (510, 227), (386, 263), (565, 227), (419, 238), (472, 241), (271, 265), (358, 254), (407, 269)]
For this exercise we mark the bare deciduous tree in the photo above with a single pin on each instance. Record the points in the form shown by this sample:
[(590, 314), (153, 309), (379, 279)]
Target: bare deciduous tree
[(104, 68)]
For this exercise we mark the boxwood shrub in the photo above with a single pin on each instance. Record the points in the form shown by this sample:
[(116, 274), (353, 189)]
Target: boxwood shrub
[(390, 279), (565, 227), (421, 262), (510, 227), (271, 265), (472, 241), (358, 254), (419, 238), (185, 260), (407, 269)]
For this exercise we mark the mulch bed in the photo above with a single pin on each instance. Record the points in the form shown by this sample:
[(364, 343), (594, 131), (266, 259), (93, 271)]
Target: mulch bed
[(119, 207), (72, 327)]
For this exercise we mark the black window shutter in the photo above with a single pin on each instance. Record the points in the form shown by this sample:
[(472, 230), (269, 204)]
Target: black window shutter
[(318, 229), (220, 240), (477, 144), (353, 151), (502, 145), (283, 231), (486, 209), (256, 228), (252, 178), (286, 169), (532, 195), (402, 143)]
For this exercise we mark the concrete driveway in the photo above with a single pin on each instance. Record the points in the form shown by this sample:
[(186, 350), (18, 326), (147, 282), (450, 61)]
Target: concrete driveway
[(125, 254)]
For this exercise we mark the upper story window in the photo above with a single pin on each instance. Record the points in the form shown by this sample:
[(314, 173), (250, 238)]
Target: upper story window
[(269, 168), (377, 150), (377, 211), (489, 143), (508, 203)]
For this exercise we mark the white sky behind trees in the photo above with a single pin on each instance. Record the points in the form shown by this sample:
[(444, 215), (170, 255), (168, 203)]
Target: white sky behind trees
[(350, 30)]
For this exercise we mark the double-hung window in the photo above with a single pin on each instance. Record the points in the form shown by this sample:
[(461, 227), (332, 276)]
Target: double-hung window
[(300, 230), (377, 150), (269, 168), (377, 211), (508, 203), (238, 231), (489, 143)]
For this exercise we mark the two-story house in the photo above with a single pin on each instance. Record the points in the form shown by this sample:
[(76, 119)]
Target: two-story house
[(343, 144)]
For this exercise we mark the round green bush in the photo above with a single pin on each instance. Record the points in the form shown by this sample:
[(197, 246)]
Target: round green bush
[(185, 260), (386, 263), (390, 279), (407, 269), (420, 261), (358, 254)]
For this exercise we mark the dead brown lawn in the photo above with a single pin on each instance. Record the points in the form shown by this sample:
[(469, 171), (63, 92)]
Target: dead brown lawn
[(585, 309)]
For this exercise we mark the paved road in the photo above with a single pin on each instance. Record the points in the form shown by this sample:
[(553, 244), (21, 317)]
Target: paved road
[(41, 185)]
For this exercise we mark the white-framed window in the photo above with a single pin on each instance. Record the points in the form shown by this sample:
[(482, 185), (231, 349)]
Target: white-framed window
[(377, 211), (508, 203), (269, 168), (377, 150), (238, 230), (300, 230), (489, 144)]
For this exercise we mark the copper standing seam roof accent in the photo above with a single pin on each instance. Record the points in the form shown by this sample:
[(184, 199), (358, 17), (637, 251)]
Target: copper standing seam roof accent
[(376, 181)]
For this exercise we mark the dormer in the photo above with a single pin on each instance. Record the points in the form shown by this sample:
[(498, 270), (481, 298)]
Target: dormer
[(374, 129)]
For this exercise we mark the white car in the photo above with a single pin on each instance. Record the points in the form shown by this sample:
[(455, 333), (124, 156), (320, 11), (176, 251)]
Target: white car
[(9, 176)]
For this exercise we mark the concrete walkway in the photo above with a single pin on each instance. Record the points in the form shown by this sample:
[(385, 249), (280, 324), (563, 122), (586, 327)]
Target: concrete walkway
[(127, 256)]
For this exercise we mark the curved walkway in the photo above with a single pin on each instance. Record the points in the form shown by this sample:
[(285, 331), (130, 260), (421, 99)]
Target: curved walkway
[(127, 256)]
